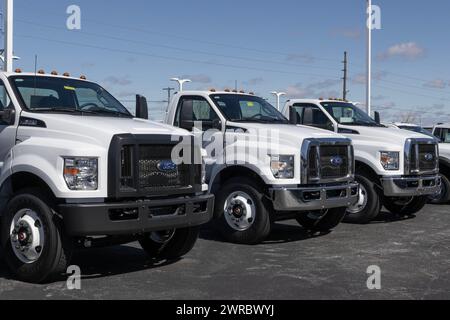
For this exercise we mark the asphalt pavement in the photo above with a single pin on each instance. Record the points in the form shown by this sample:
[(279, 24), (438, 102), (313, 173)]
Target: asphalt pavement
[(413, 256)]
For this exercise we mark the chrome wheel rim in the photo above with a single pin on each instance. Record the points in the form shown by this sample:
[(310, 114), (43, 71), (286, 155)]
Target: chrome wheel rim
[(362, 201), (239, 211), (27, 236)]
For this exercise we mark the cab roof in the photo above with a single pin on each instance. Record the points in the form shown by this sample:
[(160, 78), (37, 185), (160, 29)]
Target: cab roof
[(62, 76)]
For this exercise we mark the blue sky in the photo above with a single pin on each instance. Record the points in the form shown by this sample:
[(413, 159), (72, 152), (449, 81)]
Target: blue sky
[(295, 46)]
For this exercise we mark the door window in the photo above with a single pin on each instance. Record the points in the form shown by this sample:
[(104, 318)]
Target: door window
[(311, 115), (194, 110)]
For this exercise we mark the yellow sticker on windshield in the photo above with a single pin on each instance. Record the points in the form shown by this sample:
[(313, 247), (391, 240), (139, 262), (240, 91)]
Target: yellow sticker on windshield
[(69, 88), (250, 104)]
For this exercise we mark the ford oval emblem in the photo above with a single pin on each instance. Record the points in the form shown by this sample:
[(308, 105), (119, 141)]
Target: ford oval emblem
[(429, 157), (336, 161), (166, 166)]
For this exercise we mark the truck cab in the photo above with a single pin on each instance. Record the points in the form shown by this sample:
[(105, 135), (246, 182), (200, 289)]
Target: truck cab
[(442, 133), (77, 169), (261, 169), (395, 168)]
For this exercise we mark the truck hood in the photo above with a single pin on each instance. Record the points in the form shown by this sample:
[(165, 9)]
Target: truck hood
[(93, 129), (382, 136), (288, 133)]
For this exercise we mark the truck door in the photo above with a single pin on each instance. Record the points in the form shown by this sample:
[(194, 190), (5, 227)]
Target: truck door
[(195, 114), (310, 115), (7, 126)]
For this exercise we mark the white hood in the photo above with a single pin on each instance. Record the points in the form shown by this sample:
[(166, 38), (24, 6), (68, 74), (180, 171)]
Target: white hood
[(93, 129)]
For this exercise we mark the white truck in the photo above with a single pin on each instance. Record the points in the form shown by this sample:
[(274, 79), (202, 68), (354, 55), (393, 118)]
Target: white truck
[(77, 169), (442, 134), (261, 169), (395, 168)]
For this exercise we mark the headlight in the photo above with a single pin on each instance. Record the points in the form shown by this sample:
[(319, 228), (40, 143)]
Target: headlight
[(81, 173), (390, 160), (282, 166)]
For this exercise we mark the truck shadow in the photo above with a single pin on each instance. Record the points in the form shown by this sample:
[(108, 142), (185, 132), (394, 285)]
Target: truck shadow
[(387, 217), (281, 233), (103, 262)]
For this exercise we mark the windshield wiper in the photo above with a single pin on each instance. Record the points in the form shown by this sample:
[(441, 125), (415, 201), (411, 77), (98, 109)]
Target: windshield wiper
[(111, 112), (56, 109)]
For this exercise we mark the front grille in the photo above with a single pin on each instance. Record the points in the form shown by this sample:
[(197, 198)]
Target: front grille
[(141, 166), (326, 161), (151, 177), (427, 157), (334, 162), (423, 158)]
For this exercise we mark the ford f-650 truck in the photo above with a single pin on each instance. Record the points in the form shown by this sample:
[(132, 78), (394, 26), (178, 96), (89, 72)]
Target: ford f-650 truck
[(395, 168), (261, 169), (77, 169)]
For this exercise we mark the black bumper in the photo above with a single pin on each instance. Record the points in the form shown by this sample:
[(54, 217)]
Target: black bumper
[(135, 217)]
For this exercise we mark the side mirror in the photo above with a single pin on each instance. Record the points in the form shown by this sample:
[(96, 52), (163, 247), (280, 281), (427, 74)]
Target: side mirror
[(8, 116), (377, 117), (141, 107)]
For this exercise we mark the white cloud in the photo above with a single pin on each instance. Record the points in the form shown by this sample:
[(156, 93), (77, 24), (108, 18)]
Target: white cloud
[(313, 90), (436, 84), (361, 77), (254, 81), (409, 50)]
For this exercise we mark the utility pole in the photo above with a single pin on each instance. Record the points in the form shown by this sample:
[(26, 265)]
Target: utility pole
[(8, 51), (369, 58), (169, 91), (345, 91)]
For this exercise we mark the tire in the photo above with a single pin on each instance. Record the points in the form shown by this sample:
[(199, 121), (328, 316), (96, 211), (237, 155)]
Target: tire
[(444, 196), (318, 221), (403, 207), (246, 220), (369, 205), (50, 250), (170, 245)]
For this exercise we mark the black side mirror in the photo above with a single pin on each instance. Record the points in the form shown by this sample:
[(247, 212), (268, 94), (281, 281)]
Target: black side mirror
[(293, 118), (141, 107), (377, 117), (8, 116)]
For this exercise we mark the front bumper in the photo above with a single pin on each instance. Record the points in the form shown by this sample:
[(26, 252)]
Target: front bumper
[(314, 197), (133, 217), (407, 186)]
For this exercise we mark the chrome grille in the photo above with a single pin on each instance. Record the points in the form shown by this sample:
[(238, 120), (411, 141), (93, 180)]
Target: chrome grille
[(421, 156), (334, 162)]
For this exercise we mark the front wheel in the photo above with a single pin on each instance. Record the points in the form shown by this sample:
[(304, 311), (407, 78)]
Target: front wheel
[(369, 202), (34, 244), (444, 193), (405, 206), (321, 220), (169, 244), (241, 214)]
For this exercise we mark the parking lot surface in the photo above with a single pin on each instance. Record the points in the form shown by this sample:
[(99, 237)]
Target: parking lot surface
[(413, 256)]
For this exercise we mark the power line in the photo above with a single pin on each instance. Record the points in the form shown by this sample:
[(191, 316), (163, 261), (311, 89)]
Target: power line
[(116, 50)]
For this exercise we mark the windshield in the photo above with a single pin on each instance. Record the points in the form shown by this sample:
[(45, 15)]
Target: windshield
[(245, 108), (52, 94), (349, 114)]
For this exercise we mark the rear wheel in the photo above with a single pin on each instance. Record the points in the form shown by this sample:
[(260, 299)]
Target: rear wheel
[(241, 214), (169, 244), (369, 202), (321, 220), (405, 206), (34, 244), (444, 195)]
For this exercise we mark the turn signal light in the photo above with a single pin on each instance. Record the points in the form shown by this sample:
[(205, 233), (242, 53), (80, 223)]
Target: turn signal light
[(54, 73), (83, 77), (18, 70), (41, 71), (66, 74)]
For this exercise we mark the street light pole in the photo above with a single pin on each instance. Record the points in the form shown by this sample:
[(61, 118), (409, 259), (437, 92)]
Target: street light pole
[(369, 58), (180, 82), (278, 95), (8, 51)]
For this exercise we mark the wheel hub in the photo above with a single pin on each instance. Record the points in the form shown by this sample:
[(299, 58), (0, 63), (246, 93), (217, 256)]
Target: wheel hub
[(239, 211), (362, 201), (27, 236)]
